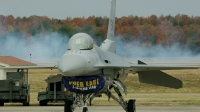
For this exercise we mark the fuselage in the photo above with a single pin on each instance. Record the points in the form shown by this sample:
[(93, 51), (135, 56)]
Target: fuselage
[(83, 58), (80, 58), (78, 62)]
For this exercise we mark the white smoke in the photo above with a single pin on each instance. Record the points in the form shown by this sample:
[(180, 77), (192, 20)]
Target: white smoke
[(54, 45), (135, 50), (48, 46)]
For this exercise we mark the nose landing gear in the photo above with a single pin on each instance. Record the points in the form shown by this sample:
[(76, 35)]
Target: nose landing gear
[(67, 106), (84, 109)]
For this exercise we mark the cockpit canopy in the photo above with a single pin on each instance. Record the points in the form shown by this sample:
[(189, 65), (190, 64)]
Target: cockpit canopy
[(80, 41)]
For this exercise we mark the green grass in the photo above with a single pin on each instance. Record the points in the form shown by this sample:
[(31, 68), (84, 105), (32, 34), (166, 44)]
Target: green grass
[(144, 93)]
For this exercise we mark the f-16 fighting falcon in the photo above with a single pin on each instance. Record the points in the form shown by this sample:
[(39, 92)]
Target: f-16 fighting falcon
[(88, 71)]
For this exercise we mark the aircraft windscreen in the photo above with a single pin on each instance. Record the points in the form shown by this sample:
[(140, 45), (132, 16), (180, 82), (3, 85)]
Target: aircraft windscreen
[(80, 41)]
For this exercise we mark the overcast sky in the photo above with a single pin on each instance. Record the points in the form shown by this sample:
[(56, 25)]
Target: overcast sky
[(78, 8)]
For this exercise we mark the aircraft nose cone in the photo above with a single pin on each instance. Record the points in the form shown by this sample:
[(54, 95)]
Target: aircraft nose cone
[(72, 65)]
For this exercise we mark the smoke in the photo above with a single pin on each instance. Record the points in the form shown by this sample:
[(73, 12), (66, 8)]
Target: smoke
[(136, 50), (54, 45), (49, 46)]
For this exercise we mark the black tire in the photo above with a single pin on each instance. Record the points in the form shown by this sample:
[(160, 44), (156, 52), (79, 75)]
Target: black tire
[(43, 103), (67, 106), (131, 106), (84, 109), (1, 104), (25, 103)]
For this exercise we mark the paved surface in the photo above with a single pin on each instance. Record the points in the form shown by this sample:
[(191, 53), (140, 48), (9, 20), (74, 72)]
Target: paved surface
[(101, 109)]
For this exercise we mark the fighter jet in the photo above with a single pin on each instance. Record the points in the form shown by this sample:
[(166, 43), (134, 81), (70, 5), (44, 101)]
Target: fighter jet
[(88, 71)]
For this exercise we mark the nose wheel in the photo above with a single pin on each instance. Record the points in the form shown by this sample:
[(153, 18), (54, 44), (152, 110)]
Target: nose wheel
[(67, 106), (85, 109)]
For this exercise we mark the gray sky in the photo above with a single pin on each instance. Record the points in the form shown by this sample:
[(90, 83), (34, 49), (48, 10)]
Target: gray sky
[(78, 8)]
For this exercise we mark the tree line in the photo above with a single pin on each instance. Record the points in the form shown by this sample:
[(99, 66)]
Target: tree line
[(148, 31)]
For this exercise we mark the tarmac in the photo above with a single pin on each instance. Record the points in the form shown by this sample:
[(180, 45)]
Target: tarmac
[(101, 109)]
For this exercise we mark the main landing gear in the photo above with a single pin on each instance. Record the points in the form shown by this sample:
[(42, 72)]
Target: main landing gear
[(118, 85)]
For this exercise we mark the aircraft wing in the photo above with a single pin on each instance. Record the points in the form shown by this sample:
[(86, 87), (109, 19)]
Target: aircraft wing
[(144, 67), (151, 74), (137, 68), (31, 67)]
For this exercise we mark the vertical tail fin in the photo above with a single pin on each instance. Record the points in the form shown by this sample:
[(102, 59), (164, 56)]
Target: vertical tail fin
[(111, 26), (109, 43)]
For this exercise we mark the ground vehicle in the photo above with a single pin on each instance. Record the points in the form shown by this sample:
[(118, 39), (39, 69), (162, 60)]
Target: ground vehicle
[(15, 88), (55, 92)]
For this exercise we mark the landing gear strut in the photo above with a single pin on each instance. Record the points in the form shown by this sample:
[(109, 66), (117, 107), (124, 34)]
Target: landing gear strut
[(118, 85)]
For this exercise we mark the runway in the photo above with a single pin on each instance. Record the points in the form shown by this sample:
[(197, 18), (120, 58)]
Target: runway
[(101, 109)]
